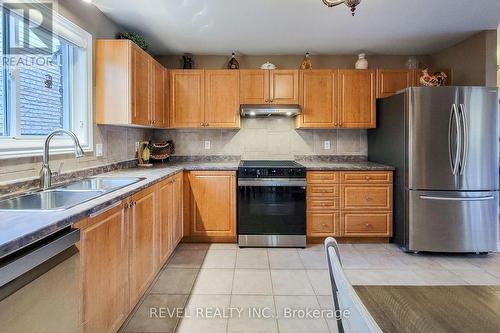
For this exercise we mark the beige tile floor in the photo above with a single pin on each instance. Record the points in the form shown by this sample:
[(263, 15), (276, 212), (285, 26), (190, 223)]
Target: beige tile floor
[(200, 278)]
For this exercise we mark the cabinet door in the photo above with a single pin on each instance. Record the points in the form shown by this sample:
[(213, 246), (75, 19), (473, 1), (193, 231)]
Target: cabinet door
[(165, 219), (254, 86), (356, 98), (186, 98), (222, 98), (141, 87), (142, 247), (104, 258), (318, 99), (158, 91), (177, 223), (389, 81), (212, 203), (166, 98), (284, 85)]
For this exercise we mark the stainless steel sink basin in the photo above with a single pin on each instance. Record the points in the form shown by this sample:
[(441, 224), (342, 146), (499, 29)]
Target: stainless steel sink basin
[(107, 184), (67, 196), (53, 199)]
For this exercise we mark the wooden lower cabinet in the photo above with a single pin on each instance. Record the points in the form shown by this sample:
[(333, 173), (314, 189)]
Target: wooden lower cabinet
[(210, 206), (123, 247), (142, 264), (323, 223), (349, 204), (169, 223), (104, 265), (363, 223)]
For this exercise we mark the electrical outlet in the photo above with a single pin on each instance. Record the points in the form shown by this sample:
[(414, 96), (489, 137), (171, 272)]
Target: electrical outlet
[(137, 146), (207, 144), (98, 150), (327, 145)]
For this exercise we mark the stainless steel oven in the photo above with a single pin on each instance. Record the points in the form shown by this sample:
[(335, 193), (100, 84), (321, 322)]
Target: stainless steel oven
[(271, 204)]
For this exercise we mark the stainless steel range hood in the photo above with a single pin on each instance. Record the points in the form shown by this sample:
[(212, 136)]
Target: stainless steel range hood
[(267, 110)]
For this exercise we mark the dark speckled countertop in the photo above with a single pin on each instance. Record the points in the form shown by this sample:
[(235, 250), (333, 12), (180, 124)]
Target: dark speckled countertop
[(19, 229)]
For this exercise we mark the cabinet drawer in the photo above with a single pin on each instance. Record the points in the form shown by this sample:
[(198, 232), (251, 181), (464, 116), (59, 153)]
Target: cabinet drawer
[(320, 177), (366, 197), (322, 191), (372, 177), (323, 224), (318, 204), (367, 224)]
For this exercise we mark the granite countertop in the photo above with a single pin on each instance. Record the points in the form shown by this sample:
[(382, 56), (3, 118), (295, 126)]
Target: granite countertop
[(345, 165), (19, 229)]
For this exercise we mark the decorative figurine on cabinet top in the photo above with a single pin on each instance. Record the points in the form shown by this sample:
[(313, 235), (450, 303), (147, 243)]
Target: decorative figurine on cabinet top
[(306, 64)]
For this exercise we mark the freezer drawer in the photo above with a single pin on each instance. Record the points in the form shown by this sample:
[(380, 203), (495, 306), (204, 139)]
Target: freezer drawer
[(445, 221)]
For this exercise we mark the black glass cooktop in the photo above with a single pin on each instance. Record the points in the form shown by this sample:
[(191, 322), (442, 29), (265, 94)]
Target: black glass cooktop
[(270, 164)]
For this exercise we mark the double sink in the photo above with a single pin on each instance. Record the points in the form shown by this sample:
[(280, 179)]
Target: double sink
[(66, 196)]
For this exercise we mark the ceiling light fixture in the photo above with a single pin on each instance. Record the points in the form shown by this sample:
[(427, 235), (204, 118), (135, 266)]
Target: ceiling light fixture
[(87, 1), (349, 3)]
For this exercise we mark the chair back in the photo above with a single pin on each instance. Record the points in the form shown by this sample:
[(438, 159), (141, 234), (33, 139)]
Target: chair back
[(353, 316)]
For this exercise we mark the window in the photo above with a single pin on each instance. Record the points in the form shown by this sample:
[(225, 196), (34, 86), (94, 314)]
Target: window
[(45, 81)]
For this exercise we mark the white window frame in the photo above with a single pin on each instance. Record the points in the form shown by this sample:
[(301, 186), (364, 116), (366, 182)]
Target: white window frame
[(81, 103)]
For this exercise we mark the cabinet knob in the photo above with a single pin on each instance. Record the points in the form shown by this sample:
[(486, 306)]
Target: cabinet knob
[(336, 124), (323, 225), (367, 225), (206, 124), (340, 124), (202, 124), (323, 204), (368, 178)]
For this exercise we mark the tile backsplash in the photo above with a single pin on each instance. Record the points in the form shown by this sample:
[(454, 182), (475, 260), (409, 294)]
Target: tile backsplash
[(267, 138)]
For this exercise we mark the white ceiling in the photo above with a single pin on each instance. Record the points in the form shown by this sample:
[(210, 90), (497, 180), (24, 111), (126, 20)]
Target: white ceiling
[(295, 26)]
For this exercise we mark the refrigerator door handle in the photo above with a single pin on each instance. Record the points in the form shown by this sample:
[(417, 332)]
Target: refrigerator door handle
[(454, 162), (429, 197), (465, 138)]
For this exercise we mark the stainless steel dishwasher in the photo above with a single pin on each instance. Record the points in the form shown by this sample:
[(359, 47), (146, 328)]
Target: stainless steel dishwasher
[(39, 286)]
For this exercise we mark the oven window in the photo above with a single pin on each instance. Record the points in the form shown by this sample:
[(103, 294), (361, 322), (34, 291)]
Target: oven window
[(271, 210)]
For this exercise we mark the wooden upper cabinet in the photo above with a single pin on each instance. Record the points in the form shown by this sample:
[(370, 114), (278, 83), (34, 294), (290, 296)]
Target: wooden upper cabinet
[(389, 81), (261, 86), (158, 110), (284, 86), (186, 98), (143, 263), (141, 92), (356, 98), (222, 98), (104, 265), (212, 203), (318, 99), (254, 86), (128, 85), (166, 98)]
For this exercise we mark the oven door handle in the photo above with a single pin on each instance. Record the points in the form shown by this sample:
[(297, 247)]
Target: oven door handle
[(277, 182)]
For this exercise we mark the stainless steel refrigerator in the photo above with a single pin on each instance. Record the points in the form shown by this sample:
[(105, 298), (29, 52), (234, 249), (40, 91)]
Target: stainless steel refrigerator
[(443, 142)]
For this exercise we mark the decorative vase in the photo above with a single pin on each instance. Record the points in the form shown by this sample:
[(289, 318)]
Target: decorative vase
[(233, 63), (306, 64), (187, 61), (362, 63)]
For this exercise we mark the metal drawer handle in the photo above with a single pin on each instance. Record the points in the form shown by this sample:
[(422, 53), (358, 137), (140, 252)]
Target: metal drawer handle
[(104, 210), (426, 197)]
